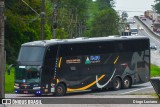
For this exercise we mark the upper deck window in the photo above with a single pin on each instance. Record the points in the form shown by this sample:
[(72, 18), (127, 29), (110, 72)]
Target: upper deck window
[(31, 53)]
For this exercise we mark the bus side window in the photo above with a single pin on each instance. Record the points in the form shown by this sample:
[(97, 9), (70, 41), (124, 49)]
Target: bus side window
[(93, 48), (119, 47), (131, 46)]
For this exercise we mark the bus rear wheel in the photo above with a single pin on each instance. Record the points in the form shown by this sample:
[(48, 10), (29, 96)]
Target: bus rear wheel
[(126, 83), (60, 90), (117, 84)]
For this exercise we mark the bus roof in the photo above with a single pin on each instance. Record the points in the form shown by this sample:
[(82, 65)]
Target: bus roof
[(82, 40)]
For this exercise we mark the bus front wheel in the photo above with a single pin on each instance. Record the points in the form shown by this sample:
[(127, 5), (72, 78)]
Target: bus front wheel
[(60, 90), (117, 84)]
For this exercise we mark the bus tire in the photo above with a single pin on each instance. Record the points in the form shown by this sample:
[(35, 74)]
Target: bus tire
[(117, 84), (126, 83), (60, 90)]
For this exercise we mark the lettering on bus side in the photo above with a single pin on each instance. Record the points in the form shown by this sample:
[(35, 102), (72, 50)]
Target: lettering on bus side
[(73, 61), (93, 59)]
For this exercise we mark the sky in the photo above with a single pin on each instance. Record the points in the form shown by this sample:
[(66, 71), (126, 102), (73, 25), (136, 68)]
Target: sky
[(134, 5)]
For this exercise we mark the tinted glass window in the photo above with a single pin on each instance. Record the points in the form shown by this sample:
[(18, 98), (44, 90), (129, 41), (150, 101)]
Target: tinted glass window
[(51, 53), (29, 74), (134, 30), (103, 47), (31, 54), (87, 48), (132, 45)]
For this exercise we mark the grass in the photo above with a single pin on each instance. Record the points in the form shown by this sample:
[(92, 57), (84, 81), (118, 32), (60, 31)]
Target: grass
[(155, 71), (9, 79), (155, 95)]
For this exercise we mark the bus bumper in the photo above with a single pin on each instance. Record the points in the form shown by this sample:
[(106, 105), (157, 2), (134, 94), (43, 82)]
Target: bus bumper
[(27, 91)]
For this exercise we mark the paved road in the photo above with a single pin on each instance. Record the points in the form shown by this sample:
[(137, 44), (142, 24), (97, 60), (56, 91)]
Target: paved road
[(143, 89), (155, 54), (149, 23), (133, 93)]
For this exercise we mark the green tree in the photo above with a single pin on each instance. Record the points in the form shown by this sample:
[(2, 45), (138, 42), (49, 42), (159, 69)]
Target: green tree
[(22, 25), (124, 15), (75, 18), (157, 6), (103, 21), (70, 14)]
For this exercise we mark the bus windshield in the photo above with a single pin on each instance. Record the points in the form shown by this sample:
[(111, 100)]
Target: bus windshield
[(134, 30), (30, 54), (27, 74)]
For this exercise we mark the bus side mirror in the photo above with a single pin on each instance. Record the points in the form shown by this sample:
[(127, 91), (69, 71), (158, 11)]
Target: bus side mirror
[(9, 68)]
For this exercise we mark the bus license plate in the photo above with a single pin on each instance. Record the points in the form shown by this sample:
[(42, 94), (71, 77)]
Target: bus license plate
[(25, 92)]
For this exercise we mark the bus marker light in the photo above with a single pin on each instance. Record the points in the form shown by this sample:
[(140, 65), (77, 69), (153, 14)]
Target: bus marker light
[(124, 64), (38, 92)]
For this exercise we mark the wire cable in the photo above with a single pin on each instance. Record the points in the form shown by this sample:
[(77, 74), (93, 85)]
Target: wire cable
[(38, 15), (31, 7)]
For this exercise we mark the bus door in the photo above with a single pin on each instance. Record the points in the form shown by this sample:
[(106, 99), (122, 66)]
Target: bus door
[(48, 72)]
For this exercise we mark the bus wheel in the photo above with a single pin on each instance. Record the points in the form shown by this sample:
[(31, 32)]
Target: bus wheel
[(126, 83), (60, 90), (117, 84)]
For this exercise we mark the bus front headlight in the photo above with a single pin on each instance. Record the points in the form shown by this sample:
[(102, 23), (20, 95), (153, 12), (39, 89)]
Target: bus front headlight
[(16, 87), (36, 88)]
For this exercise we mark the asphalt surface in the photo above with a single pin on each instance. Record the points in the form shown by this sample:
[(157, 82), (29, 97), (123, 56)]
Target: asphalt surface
[(143, 89), (155, 54)]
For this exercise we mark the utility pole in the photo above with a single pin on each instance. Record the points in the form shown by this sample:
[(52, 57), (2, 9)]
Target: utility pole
[(79, 29), (42, 19), (2, 56), (55, 12)]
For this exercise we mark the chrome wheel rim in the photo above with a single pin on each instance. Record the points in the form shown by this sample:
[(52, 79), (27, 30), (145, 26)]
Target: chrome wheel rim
[(117, 84)]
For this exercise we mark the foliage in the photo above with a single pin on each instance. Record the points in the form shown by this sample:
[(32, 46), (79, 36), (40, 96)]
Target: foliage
[(103, 21), (22, 25), (157, 6), (102, 4), (75, 18), (72, 13), (124, 15), (9, 81)]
